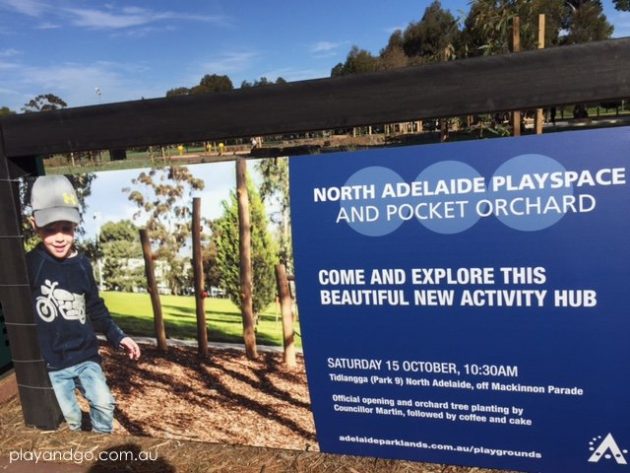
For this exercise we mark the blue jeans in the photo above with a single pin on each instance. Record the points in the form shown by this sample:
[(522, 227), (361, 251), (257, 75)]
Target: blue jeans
[(88, 377)]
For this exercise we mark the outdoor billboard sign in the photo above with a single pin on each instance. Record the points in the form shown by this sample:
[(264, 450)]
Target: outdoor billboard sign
[(466, 303)]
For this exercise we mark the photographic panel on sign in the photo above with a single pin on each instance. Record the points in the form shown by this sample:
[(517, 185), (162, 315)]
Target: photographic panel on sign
[(223, 397)]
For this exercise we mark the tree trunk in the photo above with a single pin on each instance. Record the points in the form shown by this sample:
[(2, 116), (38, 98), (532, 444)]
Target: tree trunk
[(540, 118), (516, 47), (149, 268), (202, 333), (287, 316), (245, 267), (443, 129)]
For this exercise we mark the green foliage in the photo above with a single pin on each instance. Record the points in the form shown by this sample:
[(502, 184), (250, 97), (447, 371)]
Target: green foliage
[(164, 197), (44, 103), (208, 84), (121, 231), (211, 271), (585, 21), (623, 5), (119, 243), (275, 183), (358, 61), (488, 26), (6, 111), (393, 55), (434, 37), (275, 188), (212, 83), (179, 276), (552, 9), (262, 82), (226, 240), (92, 249), (178, 91)]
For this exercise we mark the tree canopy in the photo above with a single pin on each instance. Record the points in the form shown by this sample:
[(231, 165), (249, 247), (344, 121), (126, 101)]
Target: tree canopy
[(486, 29), (262, 82), (5, 112), (164, 197), (225, 238), (275, 188), (434, 37), (208, 84), (120, 243), (44, 103), (358, 61), (584, 21)]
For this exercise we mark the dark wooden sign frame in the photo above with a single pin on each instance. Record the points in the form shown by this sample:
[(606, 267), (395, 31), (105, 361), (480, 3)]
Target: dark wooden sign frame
[(565, 75)]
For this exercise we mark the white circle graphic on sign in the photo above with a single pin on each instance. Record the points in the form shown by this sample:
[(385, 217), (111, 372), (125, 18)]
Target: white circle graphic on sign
[(365, 209), (451, 190), (522, 195)]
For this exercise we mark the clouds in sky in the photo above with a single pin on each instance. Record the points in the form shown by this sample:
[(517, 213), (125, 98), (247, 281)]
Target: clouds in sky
[(129, 17), (32, 8), (323, 49), (74, 82), (324, 46), (106, 18), (10, 52), (229, 62), (63, 45)]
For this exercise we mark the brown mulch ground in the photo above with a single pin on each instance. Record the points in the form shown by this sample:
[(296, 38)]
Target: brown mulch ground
[(224, 399), (188, 413)]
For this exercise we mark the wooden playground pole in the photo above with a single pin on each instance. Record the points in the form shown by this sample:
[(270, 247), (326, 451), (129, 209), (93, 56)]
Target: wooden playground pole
[(540, 117), (288, 334), (37, 398), (202, 332), (245, 267), (516, 47), (149, 269)]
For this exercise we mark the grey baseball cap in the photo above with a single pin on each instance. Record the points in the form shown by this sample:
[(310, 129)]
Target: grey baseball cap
[(53, 199)]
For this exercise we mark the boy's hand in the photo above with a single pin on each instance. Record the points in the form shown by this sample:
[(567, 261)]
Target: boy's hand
[(131, 347)]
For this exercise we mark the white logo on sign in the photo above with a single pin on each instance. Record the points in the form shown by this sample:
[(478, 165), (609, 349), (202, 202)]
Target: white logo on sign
[(607, 449), (54, 302)]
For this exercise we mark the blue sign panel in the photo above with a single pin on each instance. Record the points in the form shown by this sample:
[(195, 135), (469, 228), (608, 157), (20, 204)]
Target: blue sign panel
[(467, 303)]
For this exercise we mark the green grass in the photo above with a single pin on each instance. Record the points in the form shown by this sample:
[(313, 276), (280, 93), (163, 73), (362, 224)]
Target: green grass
[(133, 313)]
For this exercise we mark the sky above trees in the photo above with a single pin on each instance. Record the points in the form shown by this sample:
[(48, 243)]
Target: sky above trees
[(94, 52)]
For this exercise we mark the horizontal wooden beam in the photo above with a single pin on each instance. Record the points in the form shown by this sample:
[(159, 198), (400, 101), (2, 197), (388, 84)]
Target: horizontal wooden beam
[(562, 75)]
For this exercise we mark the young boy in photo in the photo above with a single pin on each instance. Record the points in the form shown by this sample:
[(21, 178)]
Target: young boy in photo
[(68, 308)]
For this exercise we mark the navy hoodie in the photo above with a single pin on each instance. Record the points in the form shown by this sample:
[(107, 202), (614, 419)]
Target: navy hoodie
[(68, 309)]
